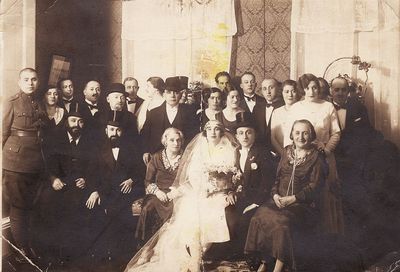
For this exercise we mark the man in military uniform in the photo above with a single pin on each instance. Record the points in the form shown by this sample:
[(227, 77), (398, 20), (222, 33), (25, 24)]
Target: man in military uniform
[(22, 157)]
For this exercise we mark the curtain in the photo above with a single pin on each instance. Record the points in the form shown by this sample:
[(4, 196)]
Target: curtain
[(177, 37), (324, 30)]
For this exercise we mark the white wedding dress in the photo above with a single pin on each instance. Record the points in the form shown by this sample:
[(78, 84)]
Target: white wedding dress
[(198, 219)]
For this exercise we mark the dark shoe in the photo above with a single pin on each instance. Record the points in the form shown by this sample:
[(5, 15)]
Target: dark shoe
[(253, 262)]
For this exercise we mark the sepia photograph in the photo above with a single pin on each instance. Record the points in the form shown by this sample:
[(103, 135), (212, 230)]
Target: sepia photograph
[(200, 135)]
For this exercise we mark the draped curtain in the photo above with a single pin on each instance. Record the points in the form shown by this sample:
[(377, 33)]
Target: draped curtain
[(323, 30), (177, 37)]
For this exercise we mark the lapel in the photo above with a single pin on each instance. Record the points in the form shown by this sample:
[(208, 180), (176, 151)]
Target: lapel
[(108, 157), (178, 118), (251, 158)]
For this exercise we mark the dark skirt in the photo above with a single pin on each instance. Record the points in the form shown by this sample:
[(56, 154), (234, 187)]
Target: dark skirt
[(153, 215), (271, 230)]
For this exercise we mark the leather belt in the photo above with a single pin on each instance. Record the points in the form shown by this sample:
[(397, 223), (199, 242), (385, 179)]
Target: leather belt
[(23, 133)]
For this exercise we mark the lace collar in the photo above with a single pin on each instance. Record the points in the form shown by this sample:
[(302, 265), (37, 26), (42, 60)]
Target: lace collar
[(293, 159), (170, 165)]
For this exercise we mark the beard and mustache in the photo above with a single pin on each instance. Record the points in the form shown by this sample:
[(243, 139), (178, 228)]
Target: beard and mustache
[(115, 141), (75, 131)]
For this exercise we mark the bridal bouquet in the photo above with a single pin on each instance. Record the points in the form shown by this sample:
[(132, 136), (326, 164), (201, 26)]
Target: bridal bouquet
[(223, 178)]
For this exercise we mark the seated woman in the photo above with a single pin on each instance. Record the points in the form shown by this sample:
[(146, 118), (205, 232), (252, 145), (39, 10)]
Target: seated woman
[(212, 100), (200, 197), (294, 203), (161, 173)]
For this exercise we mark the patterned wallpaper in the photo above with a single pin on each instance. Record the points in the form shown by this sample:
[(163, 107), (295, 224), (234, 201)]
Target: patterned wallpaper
[(262, 44)]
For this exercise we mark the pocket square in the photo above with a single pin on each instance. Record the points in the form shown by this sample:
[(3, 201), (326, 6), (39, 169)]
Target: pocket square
[(357, 120)]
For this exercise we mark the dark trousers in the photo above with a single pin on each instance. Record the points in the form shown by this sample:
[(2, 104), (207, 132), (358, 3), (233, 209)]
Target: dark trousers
[(20, 192)]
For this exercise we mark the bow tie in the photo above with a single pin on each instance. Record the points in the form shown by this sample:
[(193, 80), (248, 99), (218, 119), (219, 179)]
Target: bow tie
[(339, 107), (115, 145), (91, 107), (131, 101), (269, 105), (67, 101), (248, 98)]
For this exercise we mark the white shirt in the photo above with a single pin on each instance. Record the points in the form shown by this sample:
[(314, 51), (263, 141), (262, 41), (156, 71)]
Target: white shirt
[(171, 113), (67, 104), (115, 152), (92, 111), (71, 139), (341, 116), (244, 152), (268, 113), (250, 103)]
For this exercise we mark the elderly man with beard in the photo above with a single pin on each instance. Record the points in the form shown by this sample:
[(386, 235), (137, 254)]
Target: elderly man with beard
[(121, 173), (116, 99), (71, 170)]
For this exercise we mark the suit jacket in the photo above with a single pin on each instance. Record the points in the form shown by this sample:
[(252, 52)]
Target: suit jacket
[(72, 104), (264, 131), (93, 125), (259, 101), (21, 153), (157, 121), (258, 177), (357, 134), (68, 162), (138, 103), (112, 172)]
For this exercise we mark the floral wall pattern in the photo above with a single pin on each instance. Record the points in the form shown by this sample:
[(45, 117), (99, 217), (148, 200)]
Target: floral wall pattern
[(262, 44)]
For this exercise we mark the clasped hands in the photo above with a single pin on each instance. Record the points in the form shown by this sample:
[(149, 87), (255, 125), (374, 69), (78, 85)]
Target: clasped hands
[(58, 184), (283, 201), (165, 197)]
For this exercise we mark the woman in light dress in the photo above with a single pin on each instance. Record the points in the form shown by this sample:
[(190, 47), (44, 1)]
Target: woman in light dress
[(198, 217), (323, 117), (279, 116)]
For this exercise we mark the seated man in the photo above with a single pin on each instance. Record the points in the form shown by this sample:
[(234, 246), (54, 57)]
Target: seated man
[(258, 177), (120, 183), (71, 169)]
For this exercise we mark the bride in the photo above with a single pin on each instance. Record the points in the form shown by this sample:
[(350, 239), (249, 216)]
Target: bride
[(206, 175)]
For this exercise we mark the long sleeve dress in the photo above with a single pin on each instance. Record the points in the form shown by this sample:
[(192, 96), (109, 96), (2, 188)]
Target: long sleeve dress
[(323, 117), (270, 231), (159, 175)]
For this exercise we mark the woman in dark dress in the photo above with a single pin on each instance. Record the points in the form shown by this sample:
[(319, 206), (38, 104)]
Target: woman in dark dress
[(228, 115), (52, 116), (161, 171), (212, 99), (294, 203)]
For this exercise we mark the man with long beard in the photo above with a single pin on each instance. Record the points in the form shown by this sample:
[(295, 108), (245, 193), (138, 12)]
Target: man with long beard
[(121, 174), (71, 170)]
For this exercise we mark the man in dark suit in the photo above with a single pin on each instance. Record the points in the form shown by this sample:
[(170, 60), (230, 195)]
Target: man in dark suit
[(270, 89), (22, 157), (351, 152), (72, 171), (169, 114), (116, 100), (250, 99), (66, 86), (133, 101), (258, 177), (120, 176)]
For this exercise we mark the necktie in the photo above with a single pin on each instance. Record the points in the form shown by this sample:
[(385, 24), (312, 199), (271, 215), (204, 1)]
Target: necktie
[(91, 107), (248, 98), (73, 142), (339, 107)]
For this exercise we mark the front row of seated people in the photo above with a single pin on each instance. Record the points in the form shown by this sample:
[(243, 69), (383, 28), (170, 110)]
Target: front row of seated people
[(94, 160)]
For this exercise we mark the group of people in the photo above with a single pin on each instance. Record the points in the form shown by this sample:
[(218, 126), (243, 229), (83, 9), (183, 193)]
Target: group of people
[(238, 168)]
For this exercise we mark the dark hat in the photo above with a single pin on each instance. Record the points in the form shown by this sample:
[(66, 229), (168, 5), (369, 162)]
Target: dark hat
[(173, 84), (116, 88), (245, 119), (184, 82), (114, 118), (74, 110)]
